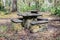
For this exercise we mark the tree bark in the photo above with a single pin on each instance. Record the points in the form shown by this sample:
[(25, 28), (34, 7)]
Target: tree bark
[(14, 5)]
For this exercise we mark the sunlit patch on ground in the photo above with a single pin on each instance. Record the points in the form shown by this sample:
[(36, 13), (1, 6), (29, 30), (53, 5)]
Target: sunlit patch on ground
[(11, 15)]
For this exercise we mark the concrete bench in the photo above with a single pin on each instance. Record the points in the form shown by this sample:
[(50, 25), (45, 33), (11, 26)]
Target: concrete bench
[(42, 19), (17, 20), (50, 19), (38, 22)]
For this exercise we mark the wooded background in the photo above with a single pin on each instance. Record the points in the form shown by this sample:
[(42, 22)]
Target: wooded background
[(25, 5)]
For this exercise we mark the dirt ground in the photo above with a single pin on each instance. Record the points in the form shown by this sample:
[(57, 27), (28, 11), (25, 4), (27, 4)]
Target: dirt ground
[(11, 15), (51, 33)]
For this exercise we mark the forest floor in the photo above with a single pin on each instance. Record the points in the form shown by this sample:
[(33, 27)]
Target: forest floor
[(51, 33), (11, 15)]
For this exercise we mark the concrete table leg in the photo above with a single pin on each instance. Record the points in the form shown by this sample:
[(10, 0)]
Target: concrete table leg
[(26, 23)]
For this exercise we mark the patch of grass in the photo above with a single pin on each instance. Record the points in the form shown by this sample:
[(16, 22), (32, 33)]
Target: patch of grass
[(34, 28), (3, 28), (12, 15), (17, 27)]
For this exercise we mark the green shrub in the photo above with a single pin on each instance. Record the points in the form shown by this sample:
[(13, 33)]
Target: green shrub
[(52, 10), (45, 8), (42, 9), (24, 8), (33, 7), (55, 10)]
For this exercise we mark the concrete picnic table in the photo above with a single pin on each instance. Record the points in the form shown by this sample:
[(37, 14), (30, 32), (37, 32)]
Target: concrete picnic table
[(28, 17)]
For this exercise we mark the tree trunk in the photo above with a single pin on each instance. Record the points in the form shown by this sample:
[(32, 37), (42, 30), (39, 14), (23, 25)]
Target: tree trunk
[(14, 5)]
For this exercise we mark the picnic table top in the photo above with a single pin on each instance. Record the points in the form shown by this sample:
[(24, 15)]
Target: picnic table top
[(29, 14)]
